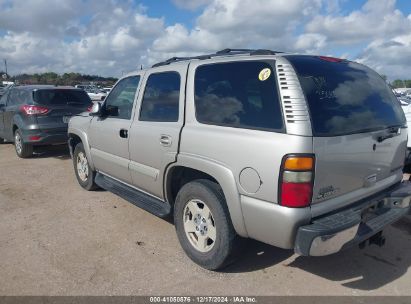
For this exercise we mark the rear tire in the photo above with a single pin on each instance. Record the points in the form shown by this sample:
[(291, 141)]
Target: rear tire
[(84, 174), (23, 150), (203, 224)]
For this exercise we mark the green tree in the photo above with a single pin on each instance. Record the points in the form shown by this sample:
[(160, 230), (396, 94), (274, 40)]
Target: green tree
[(398, 83)]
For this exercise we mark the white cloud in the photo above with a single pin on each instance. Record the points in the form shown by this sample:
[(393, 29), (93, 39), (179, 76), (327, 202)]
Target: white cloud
[(115, 39), (310, 42), (233, 23), (111, 36), (190, 4), (376, 19), (56, 18), (389, 57)]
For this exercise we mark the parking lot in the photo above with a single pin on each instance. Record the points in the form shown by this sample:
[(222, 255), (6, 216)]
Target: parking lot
[(57, 239)]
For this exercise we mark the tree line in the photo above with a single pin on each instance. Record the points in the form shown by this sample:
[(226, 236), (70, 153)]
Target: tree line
[(52, 78), (72, 79), (398, 83)]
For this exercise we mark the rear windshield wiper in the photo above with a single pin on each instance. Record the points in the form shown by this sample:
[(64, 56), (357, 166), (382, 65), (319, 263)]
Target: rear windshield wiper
[(392, 132)]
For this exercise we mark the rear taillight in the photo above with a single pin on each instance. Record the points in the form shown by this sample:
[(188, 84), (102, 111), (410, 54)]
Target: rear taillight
[(89, 108), (34, 110), (296, 181)]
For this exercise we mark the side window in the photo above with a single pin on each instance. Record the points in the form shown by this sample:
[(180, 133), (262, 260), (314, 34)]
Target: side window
[(13, 97), (238, 94), (3, 99), (23, 97), (120, 101), (161, 98)]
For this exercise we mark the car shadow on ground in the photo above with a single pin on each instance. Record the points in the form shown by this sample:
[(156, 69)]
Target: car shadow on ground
[(59, 152), (257, 256), (367, 269)]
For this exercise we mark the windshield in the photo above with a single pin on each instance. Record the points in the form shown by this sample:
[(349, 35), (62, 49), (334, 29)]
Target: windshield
[(345, 97), (61, 97)]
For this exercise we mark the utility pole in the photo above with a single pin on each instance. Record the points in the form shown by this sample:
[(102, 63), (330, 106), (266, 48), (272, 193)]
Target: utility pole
[(5, 65)]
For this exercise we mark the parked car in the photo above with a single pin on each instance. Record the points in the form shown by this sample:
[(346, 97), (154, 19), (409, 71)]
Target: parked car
[(406, 107), (4, 88), (38, 115), (300, 152), (83, 86), (106, 89), (96, 94)]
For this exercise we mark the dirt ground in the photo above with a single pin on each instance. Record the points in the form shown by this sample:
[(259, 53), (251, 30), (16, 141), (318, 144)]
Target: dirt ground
[(57, 239)]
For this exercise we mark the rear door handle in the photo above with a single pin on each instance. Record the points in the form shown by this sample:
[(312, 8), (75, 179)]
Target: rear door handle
[(123, 133), (165, 140)]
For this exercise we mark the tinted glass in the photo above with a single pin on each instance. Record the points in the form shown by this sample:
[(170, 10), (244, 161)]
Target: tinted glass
[(238, 94), (345, 97), (3, 99), (18, 97), (75, 98), (15, 97), (161, 97), (122, 97)]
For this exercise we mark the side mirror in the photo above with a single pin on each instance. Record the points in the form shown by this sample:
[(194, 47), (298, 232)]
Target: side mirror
[(96, 109), (112, 111)]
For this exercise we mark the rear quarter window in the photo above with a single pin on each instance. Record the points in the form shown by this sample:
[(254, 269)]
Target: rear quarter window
[(345, 97), (235, 94)]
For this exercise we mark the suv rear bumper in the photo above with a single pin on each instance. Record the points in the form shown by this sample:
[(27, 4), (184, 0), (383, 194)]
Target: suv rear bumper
[(331, 233), (45, 137)]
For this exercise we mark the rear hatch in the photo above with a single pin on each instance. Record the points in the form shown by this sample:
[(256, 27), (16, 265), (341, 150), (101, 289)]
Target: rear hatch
[(62, 104), (359, 129)]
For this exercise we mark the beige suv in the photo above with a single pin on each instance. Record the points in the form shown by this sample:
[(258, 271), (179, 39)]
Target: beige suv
[(300, 152)]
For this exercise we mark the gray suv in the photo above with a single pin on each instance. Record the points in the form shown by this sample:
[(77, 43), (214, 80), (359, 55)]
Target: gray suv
[(300, 152), (38, 115)]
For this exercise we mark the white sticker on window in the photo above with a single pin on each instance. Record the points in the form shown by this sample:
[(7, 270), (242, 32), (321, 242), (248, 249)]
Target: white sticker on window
[(264, 74)]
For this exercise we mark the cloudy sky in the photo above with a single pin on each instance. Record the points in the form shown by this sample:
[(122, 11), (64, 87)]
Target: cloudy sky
[(110, 37)]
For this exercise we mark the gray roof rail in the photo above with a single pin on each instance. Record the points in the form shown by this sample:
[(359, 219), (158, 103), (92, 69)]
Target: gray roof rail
[(223, 52)]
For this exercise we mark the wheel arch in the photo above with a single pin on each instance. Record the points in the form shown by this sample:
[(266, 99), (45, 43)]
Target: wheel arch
[(189, 168), (16, 123), (76, 136)]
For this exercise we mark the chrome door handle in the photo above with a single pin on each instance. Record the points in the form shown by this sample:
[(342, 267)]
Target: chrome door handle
[(165, 140)]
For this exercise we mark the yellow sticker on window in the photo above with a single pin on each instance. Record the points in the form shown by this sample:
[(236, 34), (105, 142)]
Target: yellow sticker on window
[(264, 74)]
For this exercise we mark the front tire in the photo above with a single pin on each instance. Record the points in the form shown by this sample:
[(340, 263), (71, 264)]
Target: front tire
[(84, 174), (203, 224), (23, 150)]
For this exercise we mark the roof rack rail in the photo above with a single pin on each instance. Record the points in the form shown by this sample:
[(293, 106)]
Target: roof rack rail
[(228, 51), (218, 53), (247, 51), (176, 59)]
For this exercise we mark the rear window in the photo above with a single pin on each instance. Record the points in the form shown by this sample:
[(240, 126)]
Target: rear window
[(345, 97), (238, 94), (61, 97)]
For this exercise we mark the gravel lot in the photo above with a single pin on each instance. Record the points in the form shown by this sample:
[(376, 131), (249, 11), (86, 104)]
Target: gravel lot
[(57, 239)]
